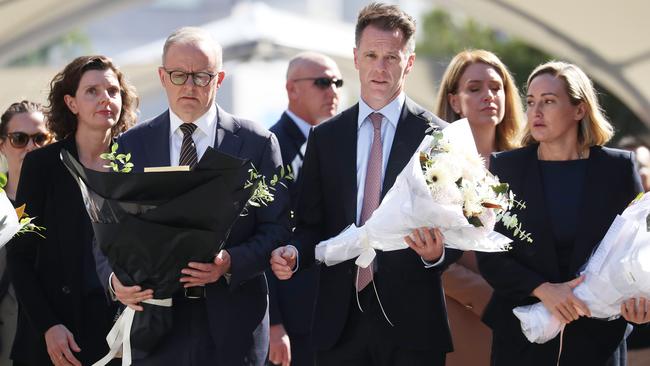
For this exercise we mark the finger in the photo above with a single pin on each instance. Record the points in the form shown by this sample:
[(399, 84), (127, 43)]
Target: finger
[(279, 260), (273, 355), (69, 357), (564, 315), (429, 240), (411, 243), (417, 238), (288, 253), (75, 347), (576, 281), (437, 234), (581, 306), (135, 307), (205, 267)]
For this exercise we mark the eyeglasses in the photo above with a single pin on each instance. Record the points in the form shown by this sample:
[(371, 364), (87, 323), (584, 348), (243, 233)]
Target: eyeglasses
[(324, 83), (198, 78), (21, 139)]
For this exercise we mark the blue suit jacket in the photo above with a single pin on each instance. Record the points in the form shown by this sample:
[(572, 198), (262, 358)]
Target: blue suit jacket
[(236, 309), (291, 302), (611, 183)]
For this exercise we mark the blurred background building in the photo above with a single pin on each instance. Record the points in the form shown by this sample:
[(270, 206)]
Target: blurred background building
[(606, 38)]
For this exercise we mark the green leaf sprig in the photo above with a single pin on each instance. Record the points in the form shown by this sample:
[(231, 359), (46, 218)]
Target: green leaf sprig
[(119, 163), (263, 191)]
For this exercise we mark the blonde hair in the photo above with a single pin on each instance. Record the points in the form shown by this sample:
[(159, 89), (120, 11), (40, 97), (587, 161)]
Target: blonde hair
[(595, 128), (508, 130)]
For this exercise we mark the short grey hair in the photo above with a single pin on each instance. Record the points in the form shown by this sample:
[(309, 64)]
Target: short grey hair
[(190, 35)]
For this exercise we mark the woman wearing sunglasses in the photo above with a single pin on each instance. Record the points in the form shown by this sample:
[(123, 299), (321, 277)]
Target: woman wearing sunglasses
[(22, 129), (65, 314)]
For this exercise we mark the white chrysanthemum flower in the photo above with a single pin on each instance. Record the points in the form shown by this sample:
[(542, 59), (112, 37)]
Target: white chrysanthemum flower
[(446, 194), (450, 164)]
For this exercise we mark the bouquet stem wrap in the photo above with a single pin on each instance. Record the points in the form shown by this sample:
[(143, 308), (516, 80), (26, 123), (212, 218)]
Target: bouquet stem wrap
[(408, 205), (619, 269)]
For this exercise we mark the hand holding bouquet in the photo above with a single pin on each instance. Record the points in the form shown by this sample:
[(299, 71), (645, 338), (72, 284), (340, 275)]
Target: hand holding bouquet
[(444, 185), (618, 270)]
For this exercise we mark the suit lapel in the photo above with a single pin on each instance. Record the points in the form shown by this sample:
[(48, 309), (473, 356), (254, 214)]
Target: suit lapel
[(294, 133), (586, 236), (536, 220), (346, 153), (227, 140), (157, 152), (408, 136)]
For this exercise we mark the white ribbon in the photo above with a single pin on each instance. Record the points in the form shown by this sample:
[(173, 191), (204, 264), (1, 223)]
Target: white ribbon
[(119, 338)]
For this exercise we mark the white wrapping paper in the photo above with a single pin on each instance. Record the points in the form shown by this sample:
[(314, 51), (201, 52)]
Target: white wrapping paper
[(9, 225), (619, 269), (409, 205)]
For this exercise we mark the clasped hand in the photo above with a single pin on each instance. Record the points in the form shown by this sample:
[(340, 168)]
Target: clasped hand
[(559, 299), (196, 274)]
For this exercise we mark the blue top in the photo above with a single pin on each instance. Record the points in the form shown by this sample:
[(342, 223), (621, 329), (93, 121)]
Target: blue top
[(563, 183)]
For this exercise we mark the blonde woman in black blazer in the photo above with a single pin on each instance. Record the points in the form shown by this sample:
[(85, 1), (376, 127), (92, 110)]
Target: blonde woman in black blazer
[(573, 188)]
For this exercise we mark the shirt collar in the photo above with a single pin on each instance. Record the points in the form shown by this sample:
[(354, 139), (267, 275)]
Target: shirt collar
[(205, 123), (391, 111), (302, 125)]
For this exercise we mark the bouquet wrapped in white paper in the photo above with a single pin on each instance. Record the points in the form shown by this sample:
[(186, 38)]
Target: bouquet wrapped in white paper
[(619, 269), (445, 185)]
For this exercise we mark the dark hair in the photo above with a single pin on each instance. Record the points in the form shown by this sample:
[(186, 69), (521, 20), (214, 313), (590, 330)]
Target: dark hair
[(386, 17), (61, 121), (24, 106)]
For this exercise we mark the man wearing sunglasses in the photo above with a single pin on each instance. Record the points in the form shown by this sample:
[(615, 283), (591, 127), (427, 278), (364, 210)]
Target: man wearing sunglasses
[(221, 318), (313, 88)]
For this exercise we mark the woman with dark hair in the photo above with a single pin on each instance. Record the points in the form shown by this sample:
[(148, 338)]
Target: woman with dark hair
[(64, 314), (479, 87), (573, 188), (22, 129)]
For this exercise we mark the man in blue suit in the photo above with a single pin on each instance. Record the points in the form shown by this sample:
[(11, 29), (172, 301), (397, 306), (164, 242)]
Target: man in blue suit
[(313, 89), (222, 316)]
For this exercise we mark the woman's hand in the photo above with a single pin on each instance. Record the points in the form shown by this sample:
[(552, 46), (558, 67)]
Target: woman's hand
[(559, 299), (636, 310), (60, 344)]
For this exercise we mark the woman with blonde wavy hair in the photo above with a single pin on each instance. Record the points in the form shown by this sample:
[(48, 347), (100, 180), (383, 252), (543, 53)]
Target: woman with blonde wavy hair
[(479, 87), (573, 188)]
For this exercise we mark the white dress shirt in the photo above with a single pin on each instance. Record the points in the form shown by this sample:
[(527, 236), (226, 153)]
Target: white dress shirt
[(203, 136), (304, 127), (365, 133)]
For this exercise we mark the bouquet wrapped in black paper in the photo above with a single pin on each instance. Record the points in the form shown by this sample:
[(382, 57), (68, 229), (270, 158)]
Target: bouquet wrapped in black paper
[(150, 225)]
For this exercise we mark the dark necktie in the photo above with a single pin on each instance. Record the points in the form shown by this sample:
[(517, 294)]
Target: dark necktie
[(372, 190), (188, 148)]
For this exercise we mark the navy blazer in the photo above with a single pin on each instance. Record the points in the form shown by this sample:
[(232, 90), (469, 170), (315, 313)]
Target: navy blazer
[(49, 274), (291, 302), (236, 309), (411, 294), (611, 183)]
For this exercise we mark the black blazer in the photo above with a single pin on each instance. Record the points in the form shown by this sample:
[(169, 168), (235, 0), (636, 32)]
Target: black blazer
[(291, 302), (48, 274), (411, 294), (611, 183), (234, 310)]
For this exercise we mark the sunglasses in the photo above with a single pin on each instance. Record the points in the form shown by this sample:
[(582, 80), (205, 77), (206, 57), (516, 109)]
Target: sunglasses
[(21, 139), (198, 78), (324, 83)]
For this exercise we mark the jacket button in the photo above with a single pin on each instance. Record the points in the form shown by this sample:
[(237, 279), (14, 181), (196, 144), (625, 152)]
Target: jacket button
[(65, 290)]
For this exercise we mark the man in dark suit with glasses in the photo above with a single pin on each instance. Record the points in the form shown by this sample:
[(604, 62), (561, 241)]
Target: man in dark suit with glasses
[(221, 318)]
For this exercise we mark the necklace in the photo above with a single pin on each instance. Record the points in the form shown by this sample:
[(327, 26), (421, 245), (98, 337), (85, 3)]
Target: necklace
[(539, 154)]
